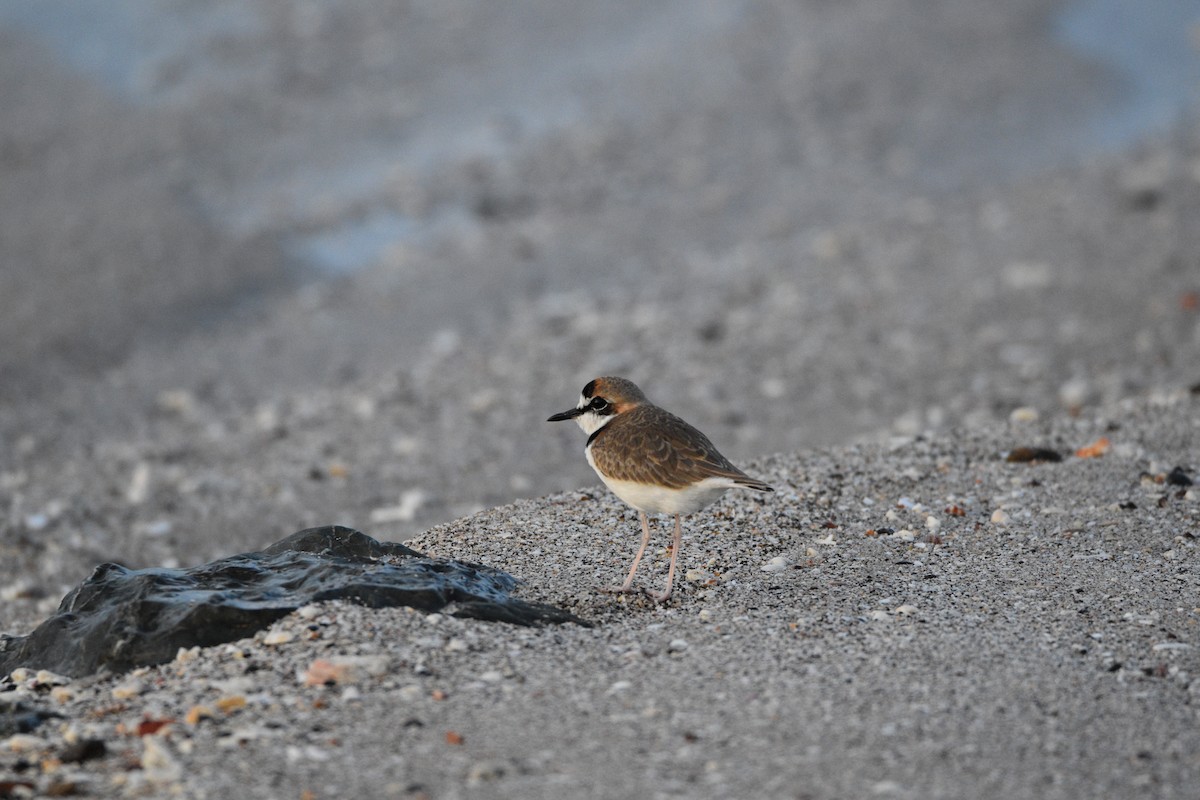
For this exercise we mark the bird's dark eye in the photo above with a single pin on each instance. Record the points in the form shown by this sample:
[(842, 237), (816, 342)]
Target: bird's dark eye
[(598, 404)]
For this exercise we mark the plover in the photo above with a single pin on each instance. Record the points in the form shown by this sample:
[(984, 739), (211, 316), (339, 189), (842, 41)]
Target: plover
[(652, 460)]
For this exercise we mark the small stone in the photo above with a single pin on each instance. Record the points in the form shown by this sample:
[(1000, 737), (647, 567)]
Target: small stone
[(231, 703), (45, 677), (127, 691), (491, 676), (310, 611), (827, 540), (186, 654), (158, 763), (1023, 415), (23, 743), (1027, 455), (904, 535), (906, 609), (278, 637), (484, 772), (177, 401), (84, 750), (776, 564), (197, 713), (879, 616), (1178, 477), (139, 484), (1000, 517), (932, 523), (345, 669), (677, 646)]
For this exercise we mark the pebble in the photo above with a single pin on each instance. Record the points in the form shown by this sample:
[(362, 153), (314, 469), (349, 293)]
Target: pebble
[(310, 611), (933, 523), (485, 771), (776, 564), (1023, 415), (127, 691), (677, 646), (24, 743), (158, 763), (278, 637), (904, 535), (1000, 517), (906, 609), (344, 669), (826, 540), (879, 616)]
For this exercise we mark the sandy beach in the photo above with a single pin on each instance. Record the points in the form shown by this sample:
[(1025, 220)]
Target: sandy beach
[(269, 266)]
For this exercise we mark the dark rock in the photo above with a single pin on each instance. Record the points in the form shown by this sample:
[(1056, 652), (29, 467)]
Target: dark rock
[(1025, 455), (83, 750), (1177, 477), (119, 618)]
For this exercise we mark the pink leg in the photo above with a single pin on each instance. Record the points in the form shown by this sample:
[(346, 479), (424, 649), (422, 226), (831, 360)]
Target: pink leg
[(676, 543), (627, 586)]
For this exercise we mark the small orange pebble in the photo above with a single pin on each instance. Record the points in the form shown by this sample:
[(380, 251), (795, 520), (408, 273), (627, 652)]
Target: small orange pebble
[(150, 726), (197, 713), (1189, 301), (232, 703), (337, 470), (453, 737), (870, 532), (1095, 449), (323, 673), (955, 511), (438, 694)]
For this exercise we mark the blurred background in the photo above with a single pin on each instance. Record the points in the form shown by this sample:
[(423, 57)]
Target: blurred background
[(271, 264)]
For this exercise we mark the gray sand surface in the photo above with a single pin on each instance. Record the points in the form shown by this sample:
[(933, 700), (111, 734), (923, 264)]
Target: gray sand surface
[(848, 241)]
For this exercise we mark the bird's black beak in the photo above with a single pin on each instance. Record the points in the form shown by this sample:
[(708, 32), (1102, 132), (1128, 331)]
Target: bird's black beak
[(572, 414)]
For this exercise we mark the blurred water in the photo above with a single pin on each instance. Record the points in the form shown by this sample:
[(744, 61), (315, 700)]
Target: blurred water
[(1152, 48), (322, 188)]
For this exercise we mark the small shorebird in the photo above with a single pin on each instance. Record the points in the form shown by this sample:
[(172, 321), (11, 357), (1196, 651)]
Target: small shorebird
[(652, 460)]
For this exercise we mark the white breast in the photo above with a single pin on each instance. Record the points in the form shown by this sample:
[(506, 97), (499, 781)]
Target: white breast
[(661, 499)]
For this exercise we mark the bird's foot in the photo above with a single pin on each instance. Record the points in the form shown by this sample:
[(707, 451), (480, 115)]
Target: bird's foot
[(626, 589), (658, 597)]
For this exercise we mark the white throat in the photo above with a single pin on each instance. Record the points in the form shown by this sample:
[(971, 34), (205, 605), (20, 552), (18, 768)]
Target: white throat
[(590, 421)]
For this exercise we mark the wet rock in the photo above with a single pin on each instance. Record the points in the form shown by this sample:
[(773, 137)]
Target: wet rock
[(119, 618)]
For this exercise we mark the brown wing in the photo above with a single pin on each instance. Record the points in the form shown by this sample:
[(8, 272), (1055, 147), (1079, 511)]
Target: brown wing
[(649, 445)]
